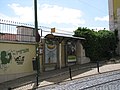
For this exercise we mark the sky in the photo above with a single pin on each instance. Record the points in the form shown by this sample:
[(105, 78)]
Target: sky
[(65, 15)]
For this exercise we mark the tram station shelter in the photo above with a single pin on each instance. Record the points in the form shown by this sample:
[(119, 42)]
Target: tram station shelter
[(62, 51)]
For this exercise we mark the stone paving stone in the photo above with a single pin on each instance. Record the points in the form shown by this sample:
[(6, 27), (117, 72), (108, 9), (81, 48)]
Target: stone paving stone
[(80, 84)]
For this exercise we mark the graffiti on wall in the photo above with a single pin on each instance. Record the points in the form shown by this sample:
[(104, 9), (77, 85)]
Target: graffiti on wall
[(19, 56), (50, 53), (6, 57)]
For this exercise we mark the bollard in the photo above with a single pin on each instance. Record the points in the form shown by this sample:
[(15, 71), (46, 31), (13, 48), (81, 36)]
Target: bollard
[(70, 73), (98, 67), (9, 88)]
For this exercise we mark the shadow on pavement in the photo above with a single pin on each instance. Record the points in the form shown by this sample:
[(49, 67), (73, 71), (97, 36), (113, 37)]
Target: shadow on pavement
[(54, 76)]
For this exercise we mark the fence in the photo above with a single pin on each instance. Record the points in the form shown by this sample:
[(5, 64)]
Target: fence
[(15, 31), (22, 32)]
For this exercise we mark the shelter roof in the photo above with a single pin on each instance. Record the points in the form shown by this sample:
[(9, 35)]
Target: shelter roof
[(63, 36)]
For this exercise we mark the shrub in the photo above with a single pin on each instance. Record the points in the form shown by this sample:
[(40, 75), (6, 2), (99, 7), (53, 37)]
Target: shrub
[(98, 45)]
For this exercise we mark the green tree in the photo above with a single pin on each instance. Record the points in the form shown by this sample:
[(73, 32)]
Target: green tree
[(98, 45)]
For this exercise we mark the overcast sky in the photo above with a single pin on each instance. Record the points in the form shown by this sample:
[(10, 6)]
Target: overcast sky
[(62, 14)]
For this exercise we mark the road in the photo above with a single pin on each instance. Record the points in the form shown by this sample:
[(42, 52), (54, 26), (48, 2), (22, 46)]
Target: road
[(104, 81)]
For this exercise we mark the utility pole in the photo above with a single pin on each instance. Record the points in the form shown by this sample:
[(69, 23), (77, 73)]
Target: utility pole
[(37, 36)]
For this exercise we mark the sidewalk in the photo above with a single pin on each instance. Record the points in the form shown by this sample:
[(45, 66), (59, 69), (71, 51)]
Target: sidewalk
[(43, 76), (56, 76)]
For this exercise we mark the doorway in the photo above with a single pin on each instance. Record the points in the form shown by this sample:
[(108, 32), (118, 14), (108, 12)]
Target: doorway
[(71, 53)]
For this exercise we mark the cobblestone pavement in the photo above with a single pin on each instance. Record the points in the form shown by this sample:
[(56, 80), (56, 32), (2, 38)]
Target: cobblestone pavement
[(45, 78), (105, 81), (55, 77)]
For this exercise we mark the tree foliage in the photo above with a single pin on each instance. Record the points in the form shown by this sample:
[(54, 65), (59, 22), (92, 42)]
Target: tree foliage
[(98, 45)]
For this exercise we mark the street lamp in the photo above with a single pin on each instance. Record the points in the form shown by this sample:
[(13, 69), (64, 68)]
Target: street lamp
[(37, 36)]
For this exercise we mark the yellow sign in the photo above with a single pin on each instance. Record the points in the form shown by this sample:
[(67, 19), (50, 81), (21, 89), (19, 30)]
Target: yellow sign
[(52, 30)]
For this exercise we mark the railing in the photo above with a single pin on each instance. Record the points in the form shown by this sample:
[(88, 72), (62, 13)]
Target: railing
[(15, 31), (22, 32)]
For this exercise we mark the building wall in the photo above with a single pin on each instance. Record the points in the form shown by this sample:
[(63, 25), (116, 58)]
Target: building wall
[(16, 60), (114, 18), (116, 5), (113, 14), (81, 58)]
